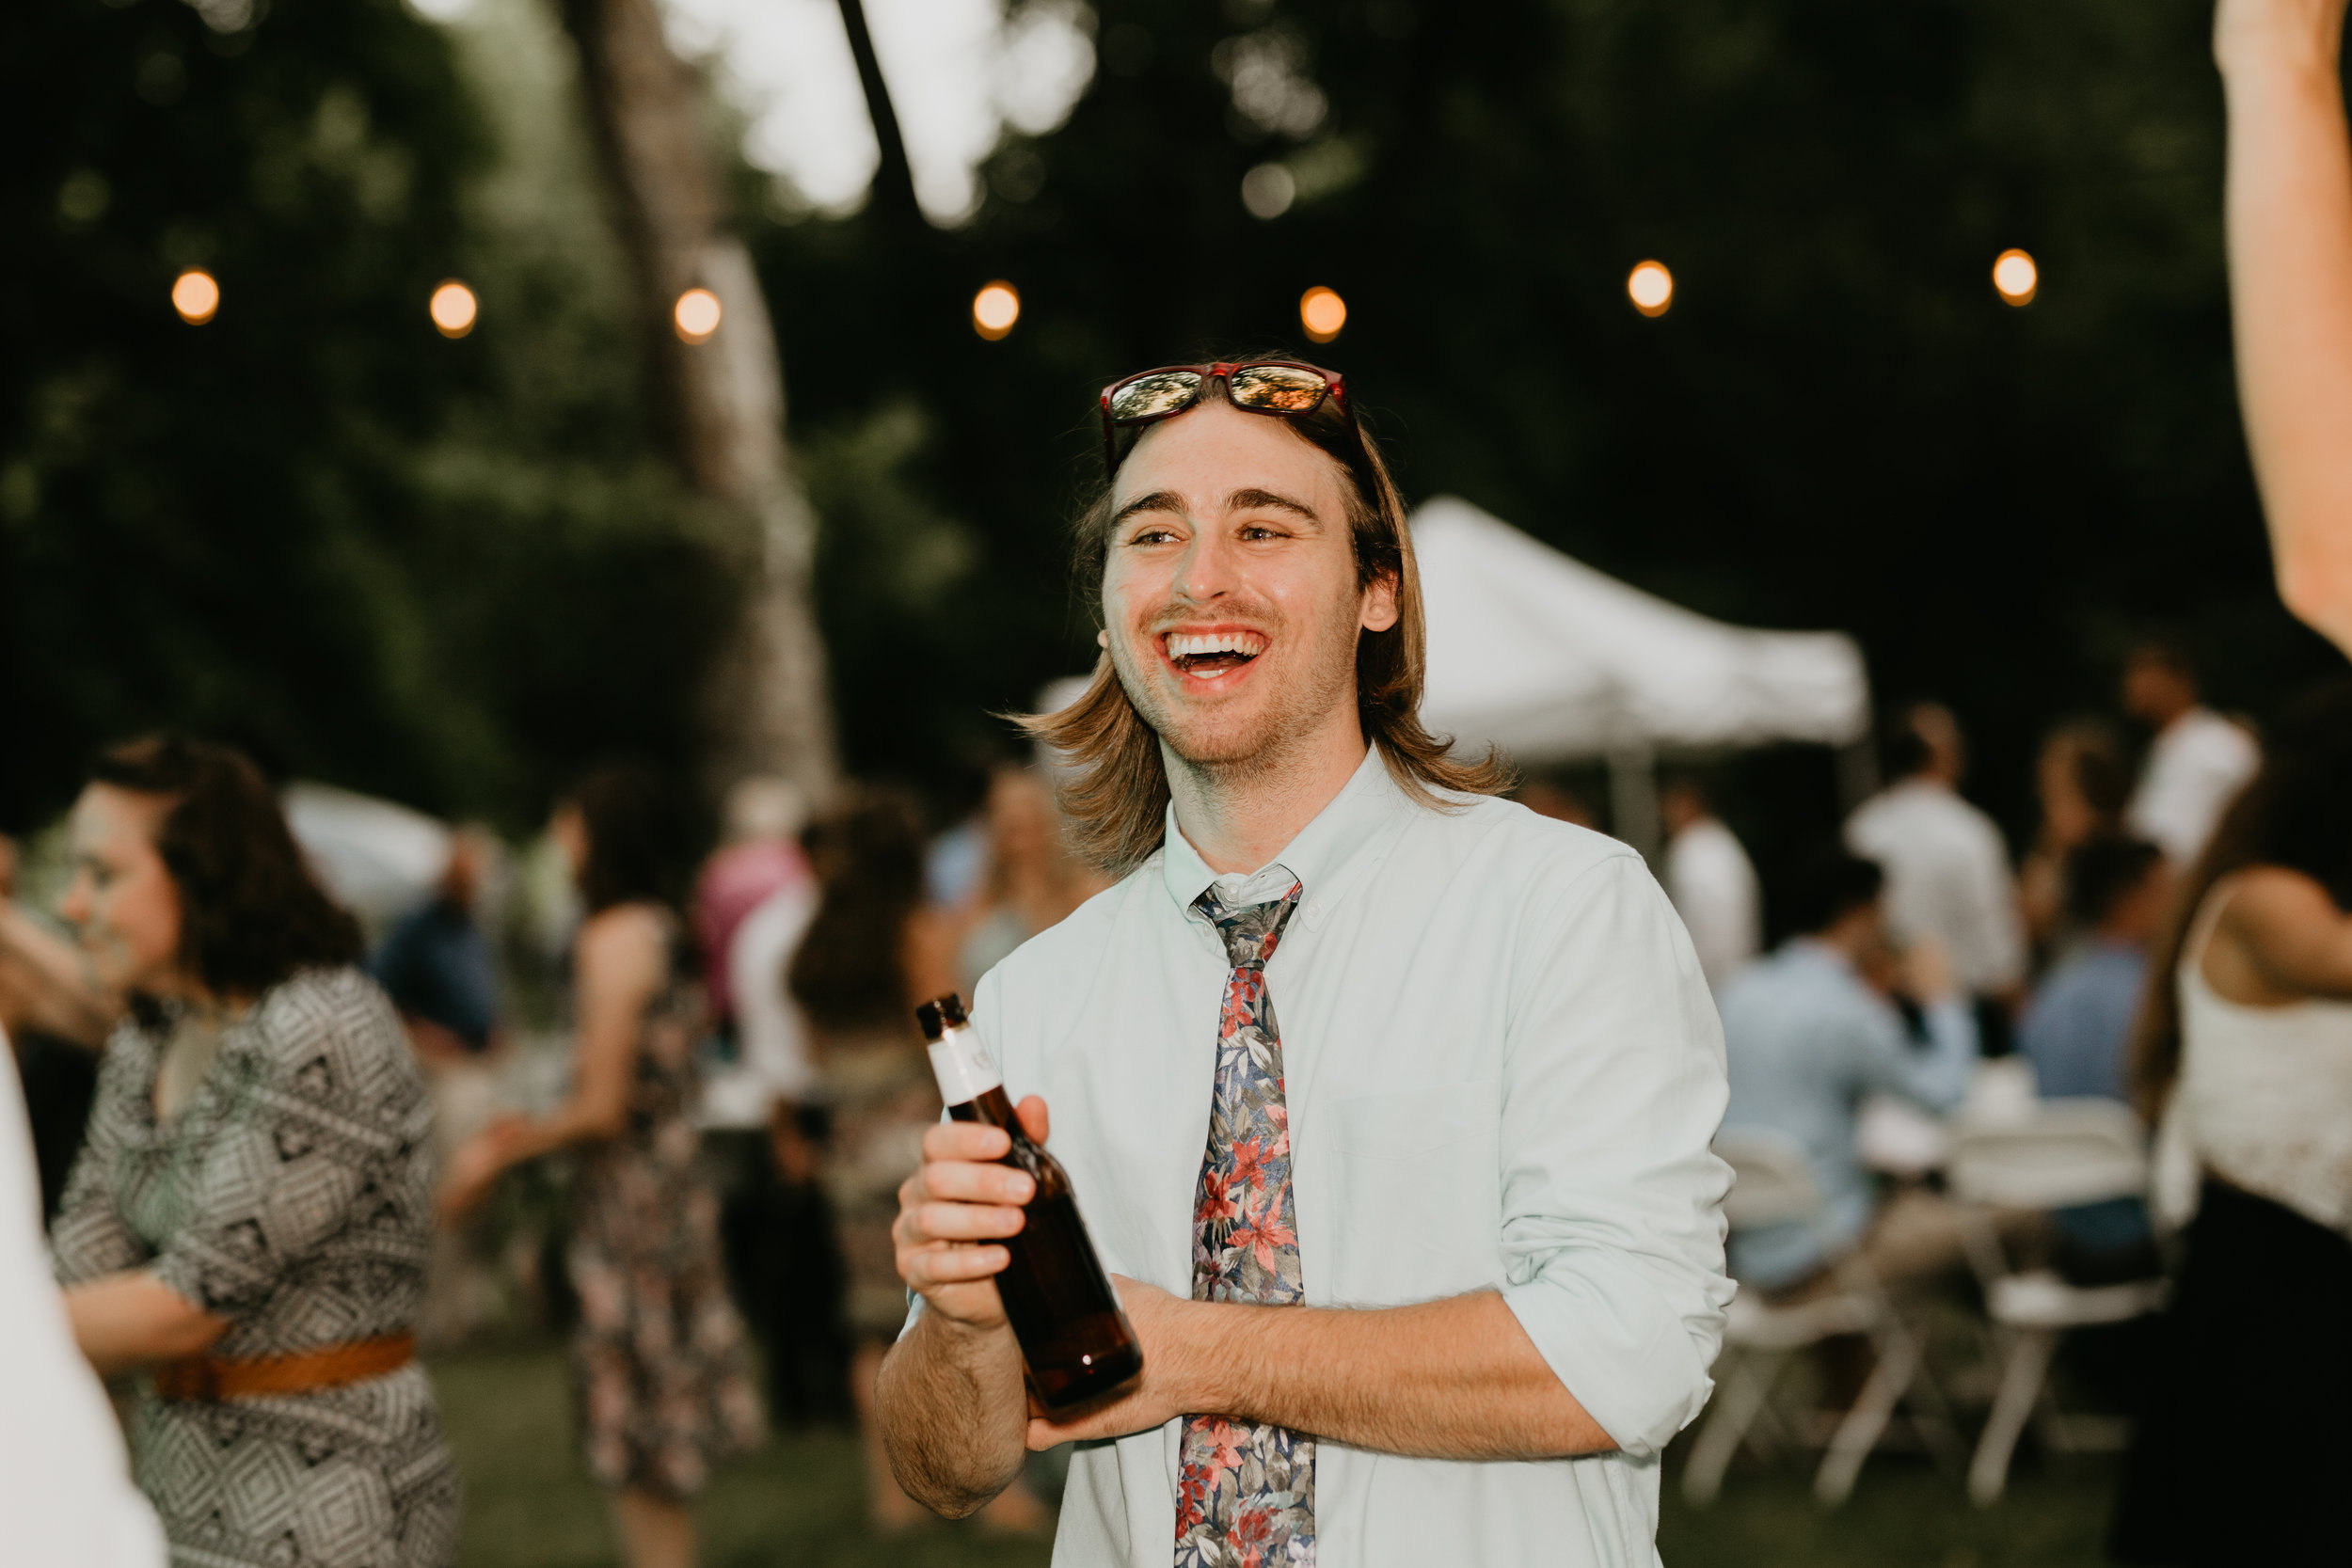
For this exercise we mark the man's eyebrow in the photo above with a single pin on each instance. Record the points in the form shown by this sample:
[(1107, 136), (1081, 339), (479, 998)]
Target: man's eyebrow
[(1158, 500), (1243, 499)]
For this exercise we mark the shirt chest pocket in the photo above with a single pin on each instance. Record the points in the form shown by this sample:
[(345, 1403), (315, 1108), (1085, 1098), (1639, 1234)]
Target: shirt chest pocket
[(1419, 1197)]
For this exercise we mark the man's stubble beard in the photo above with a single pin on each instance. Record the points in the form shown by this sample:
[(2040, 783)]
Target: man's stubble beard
[(1237, 746)]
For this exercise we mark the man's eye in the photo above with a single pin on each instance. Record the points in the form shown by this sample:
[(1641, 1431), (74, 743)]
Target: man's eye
[(1152, 536)]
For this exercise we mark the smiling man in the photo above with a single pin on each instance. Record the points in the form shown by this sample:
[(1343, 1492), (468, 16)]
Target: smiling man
[(1430, 1269)]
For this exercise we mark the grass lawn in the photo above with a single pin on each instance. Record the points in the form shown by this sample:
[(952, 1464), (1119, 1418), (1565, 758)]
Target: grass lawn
[(799, 1503)]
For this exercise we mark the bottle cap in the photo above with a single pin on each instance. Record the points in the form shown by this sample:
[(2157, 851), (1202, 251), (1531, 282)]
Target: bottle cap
[(939, 1014)]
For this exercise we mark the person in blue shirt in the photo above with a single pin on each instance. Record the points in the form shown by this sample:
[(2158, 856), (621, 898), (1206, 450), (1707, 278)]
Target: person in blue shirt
[(1810, 1032), (2077, 1031), (436, 965)]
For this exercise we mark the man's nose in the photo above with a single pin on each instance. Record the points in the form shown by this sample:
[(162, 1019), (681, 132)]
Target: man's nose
[(1209, 568)]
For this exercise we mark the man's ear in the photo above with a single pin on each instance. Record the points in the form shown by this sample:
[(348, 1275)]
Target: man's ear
[(1380, 603)]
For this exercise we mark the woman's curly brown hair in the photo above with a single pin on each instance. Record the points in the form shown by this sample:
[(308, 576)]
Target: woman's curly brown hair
[(252, 915)]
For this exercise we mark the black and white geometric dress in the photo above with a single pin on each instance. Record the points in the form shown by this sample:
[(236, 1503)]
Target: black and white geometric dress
[(291, 1195)]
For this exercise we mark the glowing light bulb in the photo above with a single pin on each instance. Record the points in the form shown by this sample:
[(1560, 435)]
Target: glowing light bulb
[(195, 296), (2015, 277), (696, 315), (452, 308), (1651, 288), (996, 308), (1321, 312)]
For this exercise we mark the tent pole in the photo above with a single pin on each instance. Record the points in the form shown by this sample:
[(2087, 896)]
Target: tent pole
[(1857, 773), (1633, 797)]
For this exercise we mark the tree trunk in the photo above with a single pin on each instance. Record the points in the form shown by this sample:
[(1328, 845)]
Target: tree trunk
[(723, 399)]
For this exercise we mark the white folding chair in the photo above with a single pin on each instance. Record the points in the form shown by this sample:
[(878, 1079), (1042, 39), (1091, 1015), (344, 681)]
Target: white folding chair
[(2064, 1153), (1772, 1184)]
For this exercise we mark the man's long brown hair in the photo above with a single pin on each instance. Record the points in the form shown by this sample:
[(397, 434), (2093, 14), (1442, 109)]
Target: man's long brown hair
[(1113, 786)]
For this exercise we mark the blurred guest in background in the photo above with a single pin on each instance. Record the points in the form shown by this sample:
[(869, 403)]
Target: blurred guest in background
[(2245, 1045), (437, 967), (752, 902), (2197, 762), (663, 1377), (1032, 880), (57, 1014), (1947, 878), (758, 857), (2289, 198), (874, 949), (1806, 1036), (435, 964), (2077, 1031), (1710, 880), (764, 1118), (250, 1218), (2081, 781)]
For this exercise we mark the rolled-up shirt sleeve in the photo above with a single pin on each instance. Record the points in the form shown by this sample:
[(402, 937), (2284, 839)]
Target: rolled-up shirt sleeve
[(1613, 1227)]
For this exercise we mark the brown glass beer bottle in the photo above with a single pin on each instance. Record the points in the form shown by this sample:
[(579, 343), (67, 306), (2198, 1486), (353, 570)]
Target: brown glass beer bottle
[(1076, 1342)]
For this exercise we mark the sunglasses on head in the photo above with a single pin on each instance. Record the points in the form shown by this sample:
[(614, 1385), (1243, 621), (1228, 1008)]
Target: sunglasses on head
[(1283, 388)]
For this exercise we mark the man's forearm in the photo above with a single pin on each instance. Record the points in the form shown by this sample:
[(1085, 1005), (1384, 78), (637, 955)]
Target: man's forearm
[(954, 1414), (1451, 1379)]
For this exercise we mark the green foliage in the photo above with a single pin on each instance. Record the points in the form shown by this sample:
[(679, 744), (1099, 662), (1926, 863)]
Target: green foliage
[(445, 570)]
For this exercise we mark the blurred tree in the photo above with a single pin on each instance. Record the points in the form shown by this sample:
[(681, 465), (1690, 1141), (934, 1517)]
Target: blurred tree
[(451, 570), (723, 392)]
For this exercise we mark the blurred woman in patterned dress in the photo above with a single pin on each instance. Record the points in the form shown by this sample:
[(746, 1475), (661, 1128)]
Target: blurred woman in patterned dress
[(248, 1224), (662, 1381)]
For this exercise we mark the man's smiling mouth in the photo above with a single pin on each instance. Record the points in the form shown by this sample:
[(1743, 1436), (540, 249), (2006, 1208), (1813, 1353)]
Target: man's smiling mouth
[(1207, 654)]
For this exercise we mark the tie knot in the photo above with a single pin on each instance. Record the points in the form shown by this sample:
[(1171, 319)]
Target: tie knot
[(1250, 930)]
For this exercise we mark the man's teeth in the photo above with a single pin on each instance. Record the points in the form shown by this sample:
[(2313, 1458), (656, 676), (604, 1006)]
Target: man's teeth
[(1249, 644)]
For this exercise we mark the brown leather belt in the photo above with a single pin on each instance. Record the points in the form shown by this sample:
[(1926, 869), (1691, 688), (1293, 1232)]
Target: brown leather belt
[(208, 1377)]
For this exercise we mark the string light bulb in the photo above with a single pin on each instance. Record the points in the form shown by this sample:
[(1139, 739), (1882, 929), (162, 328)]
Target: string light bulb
[(995, 309), (195, 294), (2015, 278), (696, 315), (452, 308), (1321, 312), (1651, 288)]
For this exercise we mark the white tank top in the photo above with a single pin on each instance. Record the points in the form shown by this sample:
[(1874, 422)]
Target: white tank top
[(2264, 1095)]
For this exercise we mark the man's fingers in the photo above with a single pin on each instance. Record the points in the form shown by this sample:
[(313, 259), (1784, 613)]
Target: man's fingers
[(1033, 1118), (959, 1181), (939, 1264), (968, 1222), (965, 1140)]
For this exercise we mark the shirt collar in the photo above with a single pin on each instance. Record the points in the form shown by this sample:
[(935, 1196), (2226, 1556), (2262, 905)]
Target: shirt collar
[(1316, 858)]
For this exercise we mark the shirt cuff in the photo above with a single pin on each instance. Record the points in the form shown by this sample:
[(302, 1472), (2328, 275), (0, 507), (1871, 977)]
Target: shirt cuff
[(1625, 1355)]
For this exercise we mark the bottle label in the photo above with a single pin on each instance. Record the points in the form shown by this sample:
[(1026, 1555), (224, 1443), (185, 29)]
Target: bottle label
[(962, 1064)]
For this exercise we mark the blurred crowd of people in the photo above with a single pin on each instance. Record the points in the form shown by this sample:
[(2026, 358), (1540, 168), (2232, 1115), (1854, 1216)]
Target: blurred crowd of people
[(2175, 943), (268, 1149)]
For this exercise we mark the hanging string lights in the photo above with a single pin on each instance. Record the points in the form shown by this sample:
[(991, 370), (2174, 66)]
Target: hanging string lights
[(995, 309), (195, 294)]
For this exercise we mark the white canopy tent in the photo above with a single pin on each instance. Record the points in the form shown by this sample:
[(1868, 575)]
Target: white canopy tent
[(1556, 662), (377, 858)]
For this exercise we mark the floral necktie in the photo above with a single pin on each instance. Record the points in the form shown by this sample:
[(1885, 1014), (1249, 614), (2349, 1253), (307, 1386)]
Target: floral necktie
[(1246, 1492)]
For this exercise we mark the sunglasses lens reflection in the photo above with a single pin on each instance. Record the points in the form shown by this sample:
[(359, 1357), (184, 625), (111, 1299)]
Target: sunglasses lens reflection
[(1275, 388), (1149, 395)]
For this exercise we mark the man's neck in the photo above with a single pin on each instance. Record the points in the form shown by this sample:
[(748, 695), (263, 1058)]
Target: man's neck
[(1239, 815)]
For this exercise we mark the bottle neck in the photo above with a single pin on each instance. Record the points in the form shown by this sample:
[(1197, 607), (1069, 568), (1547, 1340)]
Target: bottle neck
[(961, 1064)]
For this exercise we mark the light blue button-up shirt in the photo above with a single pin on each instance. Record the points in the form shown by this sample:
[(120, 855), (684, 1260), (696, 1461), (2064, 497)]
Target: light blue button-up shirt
[(1807, 1041), (1503, 1070)]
